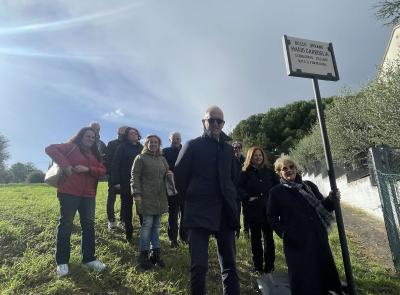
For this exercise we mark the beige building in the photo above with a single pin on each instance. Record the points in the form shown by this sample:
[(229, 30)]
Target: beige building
[(392, 52)]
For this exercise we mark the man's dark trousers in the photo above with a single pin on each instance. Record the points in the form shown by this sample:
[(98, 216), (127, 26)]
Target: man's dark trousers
[(112, 194), (174, 207), (198, 247)]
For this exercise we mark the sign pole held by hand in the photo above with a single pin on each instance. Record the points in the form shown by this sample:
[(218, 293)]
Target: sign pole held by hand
[(316, 60)]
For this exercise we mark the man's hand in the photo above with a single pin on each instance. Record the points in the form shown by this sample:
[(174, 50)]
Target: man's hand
[(117, 186), (138, 199)]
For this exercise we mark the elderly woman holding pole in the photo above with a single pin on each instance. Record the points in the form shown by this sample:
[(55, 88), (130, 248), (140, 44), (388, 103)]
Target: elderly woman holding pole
[(302, 217)]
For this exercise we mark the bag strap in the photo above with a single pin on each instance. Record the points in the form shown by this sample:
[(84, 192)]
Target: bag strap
[(165, 163), (70, 152)]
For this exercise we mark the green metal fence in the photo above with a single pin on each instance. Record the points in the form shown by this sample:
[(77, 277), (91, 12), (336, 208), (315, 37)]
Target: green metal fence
[(386, 166)]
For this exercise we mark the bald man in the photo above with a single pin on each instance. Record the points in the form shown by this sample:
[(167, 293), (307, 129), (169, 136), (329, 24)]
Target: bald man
[(112, 191), (100, 144), (205, 175), (175, 204)]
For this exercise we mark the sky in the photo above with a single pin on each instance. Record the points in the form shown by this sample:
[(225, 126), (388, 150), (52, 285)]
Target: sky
[(157, 65)]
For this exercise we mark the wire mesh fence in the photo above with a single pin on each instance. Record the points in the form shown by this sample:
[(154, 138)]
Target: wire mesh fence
[(386, 166)]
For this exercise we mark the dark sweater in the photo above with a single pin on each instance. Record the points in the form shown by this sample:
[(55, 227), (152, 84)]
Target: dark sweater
[(171, 154), (122, 163)]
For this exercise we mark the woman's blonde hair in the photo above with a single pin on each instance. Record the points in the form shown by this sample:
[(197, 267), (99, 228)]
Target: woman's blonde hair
[(250, 154), (284, 160), (146, 144)]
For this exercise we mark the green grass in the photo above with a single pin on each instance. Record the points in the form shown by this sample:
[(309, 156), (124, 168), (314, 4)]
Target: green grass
[(28, 219)]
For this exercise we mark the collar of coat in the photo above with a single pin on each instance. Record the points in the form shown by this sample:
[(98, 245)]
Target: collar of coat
[(222, 137)]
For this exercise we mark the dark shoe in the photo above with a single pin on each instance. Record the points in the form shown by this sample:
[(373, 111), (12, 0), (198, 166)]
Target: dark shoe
[(174, 244), (269, 269), (258, 269), (155, 258), (144, 261)]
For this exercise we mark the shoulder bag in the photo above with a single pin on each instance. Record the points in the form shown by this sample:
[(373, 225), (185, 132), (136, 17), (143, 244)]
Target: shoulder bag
[(55, 172)]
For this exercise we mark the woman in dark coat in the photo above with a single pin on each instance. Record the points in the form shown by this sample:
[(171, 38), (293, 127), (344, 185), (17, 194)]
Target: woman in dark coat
[(121, 173), (302, 217), (255, 182)]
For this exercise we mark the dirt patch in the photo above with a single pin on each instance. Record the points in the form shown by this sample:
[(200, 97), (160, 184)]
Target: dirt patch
[(370, 231)]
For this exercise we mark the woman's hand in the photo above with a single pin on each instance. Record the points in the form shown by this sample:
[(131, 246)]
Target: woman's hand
[(251, 199), (333, 196), (80, 169), (68, 170)]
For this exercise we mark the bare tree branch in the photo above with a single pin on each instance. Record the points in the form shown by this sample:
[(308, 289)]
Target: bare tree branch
[(389, 11)]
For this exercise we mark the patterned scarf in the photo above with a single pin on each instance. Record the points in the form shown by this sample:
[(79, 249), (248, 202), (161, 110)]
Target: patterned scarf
[(324, 215)]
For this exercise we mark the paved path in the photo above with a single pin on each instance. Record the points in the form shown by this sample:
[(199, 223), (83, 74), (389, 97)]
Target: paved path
[(275, 284), (371, 233)]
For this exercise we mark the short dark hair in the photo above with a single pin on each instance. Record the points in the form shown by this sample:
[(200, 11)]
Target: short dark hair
[(125, 135)]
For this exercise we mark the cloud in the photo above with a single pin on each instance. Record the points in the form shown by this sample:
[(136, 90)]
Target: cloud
[(157, 65), (114, 114), (68, 22)]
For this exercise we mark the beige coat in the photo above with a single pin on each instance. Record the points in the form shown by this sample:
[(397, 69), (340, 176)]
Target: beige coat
[(148, 180)]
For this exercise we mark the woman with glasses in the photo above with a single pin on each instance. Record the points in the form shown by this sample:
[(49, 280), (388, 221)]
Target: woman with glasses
[(302, 217), (121, 168), (149, 173), (255, 182)]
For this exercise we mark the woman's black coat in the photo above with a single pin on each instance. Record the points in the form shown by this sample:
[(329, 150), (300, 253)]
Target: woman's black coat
[(122, 164), (256, 183), (308, 255)]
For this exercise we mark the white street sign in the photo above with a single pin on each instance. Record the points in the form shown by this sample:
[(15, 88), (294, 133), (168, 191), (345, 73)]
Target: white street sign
[(310, 59)]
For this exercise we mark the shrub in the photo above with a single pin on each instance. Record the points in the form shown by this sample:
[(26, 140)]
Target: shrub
[(35, 177)]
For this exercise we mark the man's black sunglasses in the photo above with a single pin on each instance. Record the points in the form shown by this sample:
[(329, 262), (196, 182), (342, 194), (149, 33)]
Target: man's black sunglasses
[(215, 120)]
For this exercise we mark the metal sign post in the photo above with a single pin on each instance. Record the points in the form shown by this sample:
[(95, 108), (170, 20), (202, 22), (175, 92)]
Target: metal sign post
[(316, 60)]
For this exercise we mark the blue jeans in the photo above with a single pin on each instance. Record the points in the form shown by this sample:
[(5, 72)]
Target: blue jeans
[(68, 206), (150, 232)]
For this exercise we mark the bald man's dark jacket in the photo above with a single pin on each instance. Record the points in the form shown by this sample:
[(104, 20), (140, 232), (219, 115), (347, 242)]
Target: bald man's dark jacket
[(205, 175)]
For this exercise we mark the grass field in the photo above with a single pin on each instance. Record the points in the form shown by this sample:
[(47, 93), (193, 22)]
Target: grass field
[(28, 218)]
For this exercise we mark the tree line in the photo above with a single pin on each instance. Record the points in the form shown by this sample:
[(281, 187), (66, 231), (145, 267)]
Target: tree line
[(358, 121), (355, 121), (280, 129), (18, 172)]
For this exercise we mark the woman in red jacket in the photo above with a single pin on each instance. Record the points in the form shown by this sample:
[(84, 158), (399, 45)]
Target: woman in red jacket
[(81, 164)]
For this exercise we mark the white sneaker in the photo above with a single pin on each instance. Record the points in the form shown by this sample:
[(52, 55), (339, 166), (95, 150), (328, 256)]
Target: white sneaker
[(95, 265), (112, 225), (62, 270)]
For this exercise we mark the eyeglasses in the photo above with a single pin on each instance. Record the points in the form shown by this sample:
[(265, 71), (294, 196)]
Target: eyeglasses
[(291, 167), (236, 147), (215, 120)]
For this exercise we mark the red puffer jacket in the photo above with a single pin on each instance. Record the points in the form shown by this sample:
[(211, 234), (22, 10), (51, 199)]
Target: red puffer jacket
[(78, 184)]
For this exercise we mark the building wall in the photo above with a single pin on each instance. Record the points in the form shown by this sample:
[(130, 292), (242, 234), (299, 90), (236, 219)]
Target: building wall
[(360, 193)]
